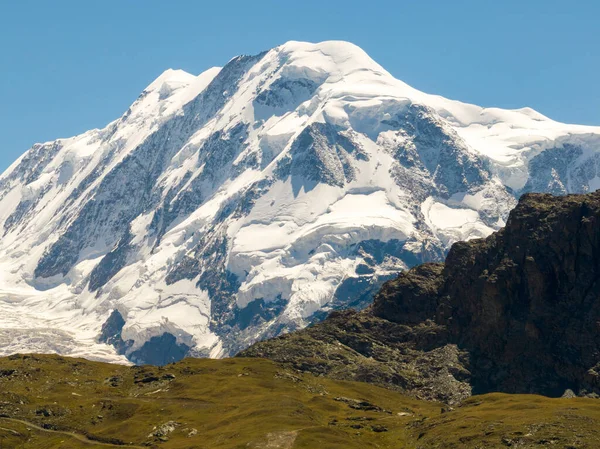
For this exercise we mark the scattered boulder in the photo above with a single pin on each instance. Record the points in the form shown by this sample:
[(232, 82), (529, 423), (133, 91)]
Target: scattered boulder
[(147, 379), (44, 411), (358, 404), (114, 381), (162, 432), (568, 394)]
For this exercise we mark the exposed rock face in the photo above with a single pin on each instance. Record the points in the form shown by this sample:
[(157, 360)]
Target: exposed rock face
[(359, 346), (112, 331), (517, 312), (160, 350), (525, 301)]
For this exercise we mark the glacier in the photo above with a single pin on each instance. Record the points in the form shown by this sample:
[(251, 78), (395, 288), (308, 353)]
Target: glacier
[(253, 199)]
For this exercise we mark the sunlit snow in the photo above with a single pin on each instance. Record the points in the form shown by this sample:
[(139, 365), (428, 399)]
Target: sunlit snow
[(292, 239)]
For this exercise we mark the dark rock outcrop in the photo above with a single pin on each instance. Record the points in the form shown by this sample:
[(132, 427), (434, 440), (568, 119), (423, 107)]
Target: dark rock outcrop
[(517, 312), (112, 331)]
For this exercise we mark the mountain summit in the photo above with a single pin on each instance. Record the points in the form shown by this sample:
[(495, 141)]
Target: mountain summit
[(249, 200)]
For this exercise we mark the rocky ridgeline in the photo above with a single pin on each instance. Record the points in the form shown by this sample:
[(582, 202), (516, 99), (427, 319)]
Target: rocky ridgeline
[(517, 312)]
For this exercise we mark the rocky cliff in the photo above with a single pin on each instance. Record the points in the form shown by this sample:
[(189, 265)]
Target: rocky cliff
[(517, 312)]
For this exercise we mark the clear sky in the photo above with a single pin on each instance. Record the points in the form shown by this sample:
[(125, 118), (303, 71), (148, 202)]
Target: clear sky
[(67, 66)]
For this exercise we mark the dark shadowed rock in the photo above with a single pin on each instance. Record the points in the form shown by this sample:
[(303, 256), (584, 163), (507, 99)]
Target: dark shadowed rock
[(517, 312), (411, 299), (160, 351), (112, 330)]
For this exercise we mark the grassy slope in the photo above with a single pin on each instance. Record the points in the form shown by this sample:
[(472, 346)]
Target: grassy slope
[(252, 403)]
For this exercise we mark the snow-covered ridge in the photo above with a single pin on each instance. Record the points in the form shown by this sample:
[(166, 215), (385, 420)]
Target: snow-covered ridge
[(246, 201)]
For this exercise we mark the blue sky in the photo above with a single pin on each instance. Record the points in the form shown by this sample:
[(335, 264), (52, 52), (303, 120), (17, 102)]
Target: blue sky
[(67, 66)]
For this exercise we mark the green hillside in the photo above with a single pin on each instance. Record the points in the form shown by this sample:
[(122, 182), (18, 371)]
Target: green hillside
[(55, 402)]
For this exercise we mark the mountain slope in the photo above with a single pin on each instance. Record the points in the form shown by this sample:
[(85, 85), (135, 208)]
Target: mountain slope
[(517, 312), (250, 200)]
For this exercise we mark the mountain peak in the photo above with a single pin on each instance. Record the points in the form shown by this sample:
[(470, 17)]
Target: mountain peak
[(334, 57), (339, 51), (246, 201)]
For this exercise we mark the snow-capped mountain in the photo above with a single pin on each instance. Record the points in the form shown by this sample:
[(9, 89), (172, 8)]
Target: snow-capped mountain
[(247, 201)]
